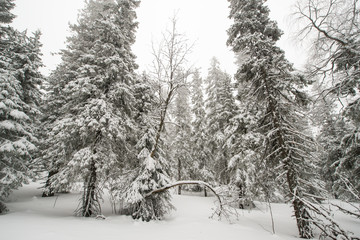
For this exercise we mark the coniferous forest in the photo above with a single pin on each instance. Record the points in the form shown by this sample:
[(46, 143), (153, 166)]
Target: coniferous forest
[(270, 133)]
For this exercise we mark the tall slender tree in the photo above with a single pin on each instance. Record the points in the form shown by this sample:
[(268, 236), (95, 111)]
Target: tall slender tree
[(200, 167), (220, 107), (93, 136), (181, 143), (275, 89)]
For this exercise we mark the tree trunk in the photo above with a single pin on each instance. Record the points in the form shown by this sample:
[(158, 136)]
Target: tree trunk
[(162, 120), (205, 192), (179, 176), (3, 208), (89, 197), (49, 191), (301, 212)]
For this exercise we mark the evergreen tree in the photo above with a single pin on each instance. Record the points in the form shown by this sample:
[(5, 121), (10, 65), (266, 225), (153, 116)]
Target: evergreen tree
[(332, 129), (244, 146), (181, 141), (19, 103), (220, 107), (348, 165), (276, 90), (148, 172), (5, 11), (200, 167), (93, 137)]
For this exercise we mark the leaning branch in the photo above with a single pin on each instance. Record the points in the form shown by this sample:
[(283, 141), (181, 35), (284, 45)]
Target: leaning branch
[(188, 182), (346, 211)]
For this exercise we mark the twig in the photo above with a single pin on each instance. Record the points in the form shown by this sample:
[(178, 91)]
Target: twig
[(55, 200)]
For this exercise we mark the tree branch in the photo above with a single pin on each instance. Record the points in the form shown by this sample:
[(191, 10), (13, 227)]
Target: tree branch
[(186, 182)]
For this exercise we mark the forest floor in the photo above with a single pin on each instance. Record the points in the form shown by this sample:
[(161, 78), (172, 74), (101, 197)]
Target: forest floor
[(32, 217)]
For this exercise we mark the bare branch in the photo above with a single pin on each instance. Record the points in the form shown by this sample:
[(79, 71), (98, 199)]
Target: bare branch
[(170, 70)]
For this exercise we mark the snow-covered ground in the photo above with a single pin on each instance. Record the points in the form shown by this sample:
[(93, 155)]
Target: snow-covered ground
[(37, 218)]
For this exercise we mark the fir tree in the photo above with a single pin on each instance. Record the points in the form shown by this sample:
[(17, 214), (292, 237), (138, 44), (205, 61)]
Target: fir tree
[(220, 107), (19, 103), (200, 167), (181, 141), (93, 136), (148, 172), (348, 165), (243, 142), (275, 89), (5, 7)]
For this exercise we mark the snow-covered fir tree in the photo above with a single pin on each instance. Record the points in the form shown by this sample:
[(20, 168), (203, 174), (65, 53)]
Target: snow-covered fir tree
[(243, 142), (54, 99), (220, 108), (275, 88), (93, 137), (148, 173), (348, 165), (200, 167), (332, 129), (5, 8), (19, 103), (181, 145)]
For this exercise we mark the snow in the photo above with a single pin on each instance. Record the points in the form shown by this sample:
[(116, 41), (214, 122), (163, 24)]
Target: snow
[(18, 115), (7, 125), (33, 217)]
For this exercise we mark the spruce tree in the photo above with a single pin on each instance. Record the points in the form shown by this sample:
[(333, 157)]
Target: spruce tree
[(19, 103), (243, 142), (200, 167), (220, 107), (147, 173), (275, 89), (5, 11), (181, 140), (332, 129), (92, 138)]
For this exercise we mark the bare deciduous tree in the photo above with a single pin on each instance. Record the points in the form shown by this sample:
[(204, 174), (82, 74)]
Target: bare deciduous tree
[(170, 70), (334, 28)]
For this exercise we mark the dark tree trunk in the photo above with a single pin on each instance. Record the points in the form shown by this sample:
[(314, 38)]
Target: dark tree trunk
[(3, 208), (89, 198), (162, 120), (179, 176), (49, 191), (301, 213), (205, 192), (241, 194)]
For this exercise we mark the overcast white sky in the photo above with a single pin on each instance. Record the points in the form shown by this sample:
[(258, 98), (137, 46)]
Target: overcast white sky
[(203, 21)]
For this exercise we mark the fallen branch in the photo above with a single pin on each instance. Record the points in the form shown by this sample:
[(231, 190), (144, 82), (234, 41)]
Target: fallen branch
[(187, 182), (323, 220)]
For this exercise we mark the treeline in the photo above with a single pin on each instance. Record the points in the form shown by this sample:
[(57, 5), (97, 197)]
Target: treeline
[(262, 134)]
